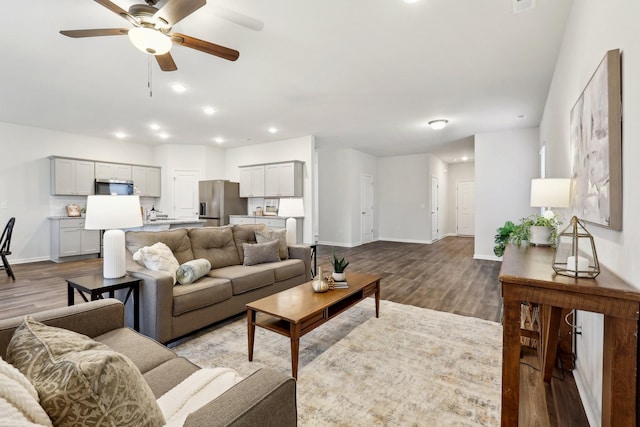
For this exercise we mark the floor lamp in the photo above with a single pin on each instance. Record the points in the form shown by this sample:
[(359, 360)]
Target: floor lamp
[(291, 208), (112, 213)]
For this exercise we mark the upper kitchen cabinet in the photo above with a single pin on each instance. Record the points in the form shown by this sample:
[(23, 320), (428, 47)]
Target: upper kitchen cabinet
[(252, 181), (113, 171), (284, 179), (147, 181), (72, 177)]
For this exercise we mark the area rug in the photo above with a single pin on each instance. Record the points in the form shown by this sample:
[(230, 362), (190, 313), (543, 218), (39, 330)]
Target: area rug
[(410, 367)]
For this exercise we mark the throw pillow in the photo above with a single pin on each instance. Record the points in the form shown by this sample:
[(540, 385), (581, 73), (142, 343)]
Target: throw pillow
[(81, 381), (158, 257), (19, 404), (191, 271), (264, 236), (259, 253)]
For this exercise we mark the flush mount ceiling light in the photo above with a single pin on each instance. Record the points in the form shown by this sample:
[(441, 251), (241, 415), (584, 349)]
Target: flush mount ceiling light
[(154, 126), (149, 40), (219, 140), (438, 124), (411, 1)]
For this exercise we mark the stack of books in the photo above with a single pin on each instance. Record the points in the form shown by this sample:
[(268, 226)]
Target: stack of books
[(341, 285)]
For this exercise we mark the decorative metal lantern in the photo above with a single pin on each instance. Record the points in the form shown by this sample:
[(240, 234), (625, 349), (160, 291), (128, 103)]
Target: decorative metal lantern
[(575, 254)]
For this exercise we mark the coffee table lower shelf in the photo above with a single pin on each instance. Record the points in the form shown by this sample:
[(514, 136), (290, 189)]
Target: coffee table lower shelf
[(297, 311)]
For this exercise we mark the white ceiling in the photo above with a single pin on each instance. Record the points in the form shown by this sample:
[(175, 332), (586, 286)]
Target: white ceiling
[(366, 74)]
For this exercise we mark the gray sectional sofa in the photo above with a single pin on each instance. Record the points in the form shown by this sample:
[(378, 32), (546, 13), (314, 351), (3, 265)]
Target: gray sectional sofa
[(168, 312)]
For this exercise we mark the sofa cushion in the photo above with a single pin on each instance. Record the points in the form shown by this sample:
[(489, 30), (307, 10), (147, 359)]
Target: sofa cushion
[(158, 257), (245, 233), (191, 271), (203, 293), (162, 378), (287, 269), (245, 278), (177, 240), (81, 381), (19, 404), (264, 236), (259, 253), (215, 244)]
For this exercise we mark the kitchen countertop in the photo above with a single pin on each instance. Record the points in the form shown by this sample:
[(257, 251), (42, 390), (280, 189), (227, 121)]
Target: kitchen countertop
[(262, 216), (146, 222)]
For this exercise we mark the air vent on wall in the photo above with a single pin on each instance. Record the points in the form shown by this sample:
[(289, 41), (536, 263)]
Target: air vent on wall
[(520, 6)]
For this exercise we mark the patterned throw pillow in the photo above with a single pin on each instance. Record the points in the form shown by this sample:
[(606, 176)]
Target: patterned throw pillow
[(81, 381), (259, 253), (158, 257), (264, 236)]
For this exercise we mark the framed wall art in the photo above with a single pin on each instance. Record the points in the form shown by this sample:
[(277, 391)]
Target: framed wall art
[(596, 147)]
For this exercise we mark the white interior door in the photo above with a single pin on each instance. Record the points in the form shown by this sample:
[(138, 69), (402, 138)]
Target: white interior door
[(185, 194), (434, 208), (366, 208), (465, 200)]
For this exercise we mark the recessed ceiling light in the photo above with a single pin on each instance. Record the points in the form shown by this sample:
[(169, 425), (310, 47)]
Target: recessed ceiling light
[(179, 87), (219, 140), (120, 135), (438, 124), (411, 1), (273, 130), (209, 111), (465, 158), (154, 126), (163, 135)]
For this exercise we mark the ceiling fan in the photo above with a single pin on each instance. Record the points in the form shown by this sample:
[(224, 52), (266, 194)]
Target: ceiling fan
[(152, 30)]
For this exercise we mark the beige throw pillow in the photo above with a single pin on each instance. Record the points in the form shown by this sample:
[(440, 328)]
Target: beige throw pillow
[(264, 236), (158, 257), (259, 253), (81, 381)]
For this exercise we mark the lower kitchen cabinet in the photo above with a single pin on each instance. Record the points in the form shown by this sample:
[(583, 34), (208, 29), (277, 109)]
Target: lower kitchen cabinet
[(70, 241)]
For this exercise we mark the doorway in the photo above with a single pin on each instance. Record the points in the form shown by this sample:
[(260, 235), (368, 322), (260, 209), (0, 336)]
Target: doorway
[(185, 193), (465, 203), (434, 209), (366, 208)]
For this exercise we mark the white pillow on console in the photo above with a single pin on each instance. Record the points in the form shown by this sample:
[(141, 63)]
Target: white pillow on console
[(158, 257)]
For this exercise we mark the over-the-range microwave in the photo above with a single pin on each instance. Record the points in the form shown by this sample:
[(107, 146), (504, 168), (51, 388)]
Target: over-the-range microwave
[(113, 187)]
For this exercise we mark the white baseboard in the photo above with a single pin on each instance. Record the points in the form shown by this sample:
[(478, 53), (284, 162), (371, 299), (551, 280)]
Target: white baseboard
[(339, 244), (487, 257), (393, 239), (592, 417), (28, 260)]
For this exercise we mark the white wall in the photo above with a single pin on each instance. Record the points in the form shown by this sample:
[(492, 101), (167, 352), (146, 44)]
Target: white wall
[(505, 164), (456, 172), (291, 149), (339, 195), (25, 180), (593, 28)]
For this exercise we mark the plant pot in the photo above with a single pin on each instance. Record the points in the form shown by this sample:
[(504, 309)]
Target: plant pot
[(540, 235), (338, 277)]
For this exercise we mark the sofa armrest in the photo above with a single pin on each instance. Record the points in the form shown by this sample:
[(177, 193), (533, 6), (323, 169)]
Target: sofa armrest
[(156, 300), (92, 319), (304, 253), (266, 398)]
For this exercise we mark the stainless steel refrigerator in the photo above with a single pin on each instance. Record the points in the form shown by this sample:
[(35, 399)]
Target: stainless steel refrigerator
[(218, 200)]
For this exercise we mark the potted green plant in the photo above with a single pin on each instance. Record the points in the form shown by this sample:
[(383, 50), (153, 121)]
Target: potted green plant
[(339, 266), (510, 233), (543, 229)]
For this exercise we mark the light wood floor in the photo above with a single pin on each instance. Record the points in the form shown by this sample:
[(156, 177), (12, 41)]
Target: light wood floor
[(442, 276)]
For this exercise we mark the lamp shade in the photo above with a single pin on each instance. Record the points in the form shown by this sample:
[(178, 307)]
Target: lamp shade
[(550, 192), (291, 208), (112, 212)]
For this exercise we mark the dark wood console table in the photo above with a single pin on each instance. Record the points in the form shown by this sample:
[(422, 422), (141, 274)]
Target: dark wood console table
[(526, 275)]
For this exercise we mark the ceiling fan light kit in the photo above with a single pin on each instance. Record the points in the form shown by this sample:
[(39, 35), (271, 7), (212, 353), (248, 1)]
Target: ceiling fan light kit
[(438, 124), (149, 40)]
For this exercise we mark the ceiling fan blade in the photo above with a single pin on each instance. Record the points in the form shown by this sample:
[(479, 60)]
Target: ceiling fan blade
[(96, 32), (204, 46), (176, 10), (166, 62), (117, 10)]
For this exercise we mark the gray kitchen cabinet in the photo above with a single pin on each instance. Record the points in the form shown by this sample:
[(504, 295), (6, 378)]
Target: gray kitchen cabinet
[(147, 181), (284, 179), (70, 241), (252, 181), (72, 177), (113, 171)]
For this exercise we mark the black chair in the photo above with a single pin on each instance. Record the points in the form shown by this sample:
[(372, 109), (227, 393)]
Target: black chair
[(4, 248)]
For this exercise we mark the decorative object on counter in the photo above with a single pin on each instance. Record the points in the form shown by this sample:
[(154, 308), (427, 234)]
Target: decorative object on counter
[(339, 266), (319, 284), (575, 254), (113, 213), (259, 211), (152, 213), (290, 208), (547, 193), (73, 210)]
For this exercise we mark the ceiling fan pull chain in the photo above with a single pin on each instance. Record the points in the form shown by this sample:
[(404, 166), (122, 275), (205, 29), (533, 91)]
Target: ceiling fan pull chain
[(149, 77)]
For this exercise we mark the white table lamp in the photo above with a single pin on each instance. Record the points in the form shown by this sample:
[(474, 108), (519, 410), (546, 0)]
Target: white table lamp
[(291, 208), (112, 213), (550, 192)]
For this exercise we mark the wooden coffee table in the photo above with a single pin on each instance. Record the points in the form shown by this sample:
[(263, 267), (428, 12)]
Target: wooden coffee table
[(299, 310)]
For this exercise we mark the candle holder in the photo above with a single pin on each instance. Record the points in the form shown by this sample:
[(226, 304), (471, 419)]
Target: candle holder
[(575, 254)]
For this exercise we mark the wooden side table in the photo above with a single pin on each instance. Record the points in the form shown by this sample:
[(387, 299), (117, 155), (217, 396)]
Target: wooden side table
[(95, 286), (527, 275)]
